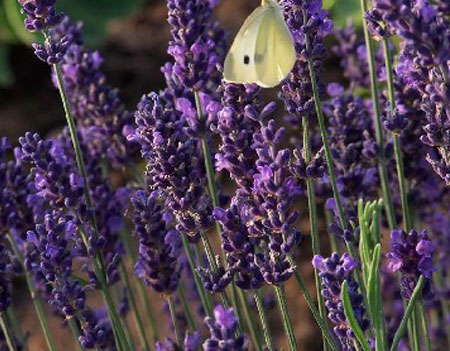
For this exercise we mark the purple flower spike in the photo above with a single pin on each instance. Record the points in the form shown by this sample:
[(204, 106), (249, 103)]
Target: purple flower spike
[(40, 14), (412, 255), (197, 44), (333, 271), (223, 331), (157, 265)]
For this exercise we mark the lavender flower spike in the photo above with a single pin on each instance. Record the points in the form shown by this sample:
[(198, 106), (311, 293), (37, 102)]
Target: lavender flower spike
[(333, 271), (223, 331), (412, 255), (157, 264)]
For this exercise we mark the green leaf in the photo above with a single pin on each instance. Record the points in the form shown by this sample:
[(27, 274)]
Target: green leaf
[(341, 11), (374, 282), (15, 20), (350, 315), (408, 312), (6, 75), (95, 14), (7, 35)]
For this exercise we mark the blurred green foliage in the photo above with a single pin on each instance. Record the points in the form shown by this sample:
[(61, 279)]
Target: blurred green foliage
[(342, 10), (94, 13)]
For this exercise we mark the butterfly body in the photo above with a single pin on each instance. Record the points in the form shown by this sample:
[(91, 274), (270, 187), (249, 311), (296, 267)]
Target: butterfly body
[(263, 51)]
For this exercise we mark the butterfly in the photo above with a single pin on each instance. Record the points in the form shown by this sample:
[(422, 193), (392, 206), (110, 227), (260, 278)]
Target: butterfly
[(263, 51)]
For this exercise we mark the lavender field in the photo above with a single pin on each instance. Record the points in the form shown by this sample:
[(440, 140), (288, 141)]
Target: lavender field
[(170, 208)]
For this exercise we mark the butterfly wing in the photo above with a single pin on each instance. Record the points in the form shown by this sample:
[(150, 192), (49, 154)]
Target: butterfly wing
[(239, 64), (275, 52)]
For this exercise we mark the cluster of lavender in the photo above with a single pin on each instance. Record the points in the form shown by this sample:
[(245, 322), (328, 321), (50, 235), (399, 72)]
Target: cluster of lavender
[(412, 255), (66, 220), (333, 271), (424, 66)]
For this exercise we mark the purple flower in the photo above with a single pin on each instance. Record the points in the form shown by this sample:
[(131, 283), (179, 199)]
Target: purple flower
[(40, 14), (191, 343), (100, 114), (412, 255), (223, 330), (156, 265), (239, 247), (236, 124), (352, 52), (297, 90), (424, 66), (196, 46), (49, 255), (175, 168), (333, 271)]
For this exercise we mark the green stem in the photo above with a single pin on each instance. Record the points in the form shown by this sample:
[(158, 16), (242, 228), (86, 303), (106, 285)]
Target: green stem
[(134, 307), (333, 240), (251, 324), (397, 145), (313, 308), (17, 327), (141, 290), (312, 206), (408, 313), (287, 323), (75, 331), (148, 310), (326, 145), (264, 322), (201, 290), (439, 281), (424, 324), (173, 315), (39, 308), (7, 332), (377, 121), (99, 264), (187, 310), (127, 328), (215, 202)]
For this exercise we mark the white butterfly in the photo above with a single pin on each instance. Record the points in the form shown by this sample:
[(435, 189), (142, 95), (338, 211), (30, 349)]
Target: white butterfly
[(263, 51)]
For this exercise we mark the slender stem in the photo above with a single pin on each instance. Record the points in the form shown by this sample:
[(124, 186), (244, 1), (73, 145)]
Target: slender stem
[(7, 332), (75, 331), (251, 324), (237, 294), (312, 206), (127, 328), (424, 324), (141, 290), (408, 312), (39, 308), (215, 202), (264, 322), (173, 315), (198, 283), (377, 121), (397, 144), (99, 264), (314, 311), (17, 328), (439, 281), (333, 240), (186, 308), (287, 323), (134, 307), (415, 329), (148, 310), (323, 133)]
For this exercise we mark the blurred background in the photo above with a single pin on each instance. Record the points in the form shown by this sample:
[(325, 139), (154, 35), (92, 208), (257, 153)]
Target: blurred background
[(132, 36)]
